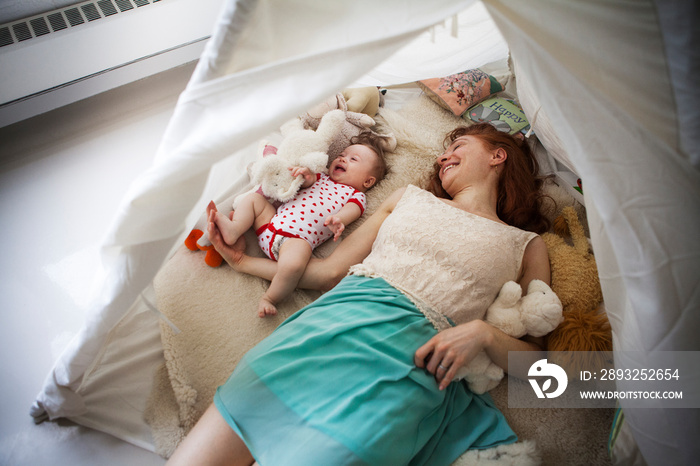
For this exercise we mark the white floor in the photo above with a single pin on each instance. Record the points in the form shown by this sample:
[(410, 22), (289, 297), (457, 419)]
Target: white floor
[(62, 175)]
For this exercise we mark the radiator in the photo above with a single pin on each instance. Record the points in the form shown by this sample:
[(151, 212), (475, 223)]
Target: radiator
[(62, 56)]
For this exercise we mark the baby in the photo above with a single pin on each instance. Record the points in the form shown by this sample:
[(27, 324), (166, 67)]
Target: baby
[(321, 209)]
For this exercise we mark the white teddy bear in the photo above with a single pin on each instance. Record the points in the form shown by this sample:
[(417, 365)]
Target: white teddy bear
[(299, 148), (537, 313)]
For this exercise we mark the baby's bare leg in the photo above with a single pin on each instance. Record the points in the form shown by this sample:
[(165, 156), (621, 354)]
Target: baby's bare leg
[(253, 211), (294, 255)]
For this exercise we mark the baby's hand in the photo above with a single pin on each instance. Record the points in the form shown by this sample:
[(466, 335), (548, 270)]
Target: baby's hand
[(308, 175), (335, 225)]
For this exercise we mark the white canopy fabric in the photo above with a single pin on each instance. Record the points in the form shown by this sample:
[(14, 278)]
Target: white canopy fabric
[(603, 79), (601, 73)]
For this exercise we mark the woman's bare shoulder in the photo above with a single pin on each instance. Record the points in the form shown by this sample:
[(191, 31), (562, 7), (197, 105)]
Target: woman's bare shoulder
[(393, 199)]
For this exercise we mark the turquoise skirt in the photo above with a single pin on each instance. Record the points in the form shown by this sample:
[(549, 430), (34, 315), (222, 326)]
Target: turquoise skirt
[(336, 384)]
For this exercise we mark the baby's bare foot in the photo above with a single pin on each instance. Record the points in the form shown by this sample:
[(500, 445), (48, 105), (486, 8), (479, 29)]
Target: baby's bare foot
[(224, 223), (228, 232), (266, 308)]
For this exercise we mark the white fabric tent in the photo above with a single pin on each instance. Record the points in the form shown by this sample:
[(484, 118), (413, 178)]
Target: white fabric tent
[(608, 83)]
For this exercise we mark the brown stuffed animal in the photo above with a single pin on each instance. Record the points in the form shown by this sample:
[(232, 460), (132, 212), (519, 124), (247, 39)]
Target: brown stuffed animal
[(575, 280)]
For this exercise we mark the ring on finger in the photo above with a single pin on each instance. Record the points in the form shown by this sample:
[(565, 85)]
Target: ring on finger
[(440, 366)]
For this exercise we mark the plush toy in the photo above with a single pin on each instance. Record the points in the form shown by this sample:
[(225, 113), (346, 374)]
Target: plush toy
[(359, 106), (537, 313), (300, 147), (365, 100), (585, 328)]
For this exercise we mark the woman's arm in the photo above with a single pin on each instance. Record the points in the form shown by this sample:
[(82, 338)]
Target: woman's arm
[(535, 263), (320, 274), (456, 347)]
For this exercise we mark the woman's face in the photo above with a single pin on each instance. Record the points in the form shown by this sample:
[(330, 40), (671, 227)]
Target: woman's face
[(466, 160)]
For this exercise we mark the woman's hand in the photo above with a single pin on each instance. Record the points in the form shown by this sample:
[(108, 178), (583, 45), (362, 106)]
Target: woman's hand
[(231, 254), (453, 348)]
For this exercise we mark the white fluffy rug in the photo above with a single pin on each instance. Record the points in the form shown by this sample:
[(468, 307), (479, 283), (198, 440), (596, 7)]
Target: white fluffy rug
[(216, 311)]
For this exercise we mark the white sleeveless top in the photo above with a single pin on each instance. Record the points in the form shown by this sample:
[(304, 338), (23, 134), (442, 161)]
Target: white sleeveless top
[(449, 262)]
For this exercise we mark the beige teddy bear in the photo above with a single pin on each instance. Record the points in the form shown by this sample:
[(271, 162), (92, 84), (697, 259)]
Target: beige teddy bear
[(585, 332), (537, 313), (359, 106)]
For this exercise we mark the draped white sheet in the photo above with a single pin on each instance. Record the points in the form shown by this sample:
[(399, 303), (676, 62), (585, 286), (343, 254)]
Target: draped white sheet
[(601, 72)]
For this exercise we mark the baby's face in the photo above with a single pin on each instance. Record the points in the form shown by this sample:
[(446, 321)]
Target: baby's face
[(354, 167)]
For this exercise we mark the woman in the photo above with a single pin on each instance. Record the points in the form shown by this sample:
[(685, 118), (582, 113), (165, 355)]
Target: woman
[(363, 375)]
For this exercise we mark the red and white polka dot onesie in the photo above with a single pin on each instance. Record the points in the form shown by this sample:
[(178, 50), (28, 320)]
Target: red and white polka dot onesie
[(303, 216)]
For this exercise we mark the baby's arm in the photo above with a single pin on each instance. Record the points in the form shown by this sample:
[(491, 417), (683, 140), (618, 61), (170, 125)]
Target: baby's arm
[(309, 176), (345, 216)]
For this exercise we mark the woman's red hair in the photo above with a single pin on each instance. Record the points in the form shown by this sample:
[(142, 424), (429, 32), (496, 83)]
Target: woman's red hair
[(519, 185)]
